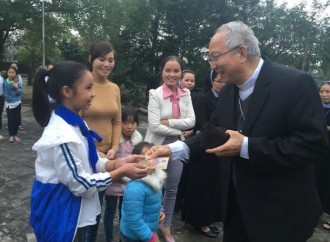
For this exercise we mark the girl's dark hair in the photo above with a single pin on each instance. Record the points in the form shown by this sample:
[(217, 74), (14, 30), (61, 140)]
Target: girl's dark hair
[(324, 83), (126, 112), (98, 49), (49, 83), (187, 71), (170, 58), (5, 76), (11, 67), (139, 147)]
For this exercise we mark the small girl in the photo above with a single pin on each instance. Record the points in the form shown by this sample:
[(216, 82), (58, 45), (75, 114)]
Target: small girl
[(2, 103), (69, 173), (12, 91), (129, 138), (142, 210)]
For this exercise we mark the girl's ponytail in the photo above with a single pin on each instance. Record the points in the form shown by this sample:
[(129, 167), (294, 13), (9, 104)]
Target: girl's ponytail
[(48, 84), (41, 106)]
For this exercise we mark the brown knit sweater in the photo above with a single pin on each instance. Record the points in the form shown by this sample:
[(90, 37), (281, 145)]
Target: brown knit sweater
[(104, 115)]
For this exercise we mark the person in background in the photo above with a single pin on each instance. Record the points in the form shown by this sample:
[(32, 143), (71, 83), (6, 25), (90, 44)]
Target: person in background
[(20, 81), (128, 139), (64, 197), (322, 169), (277, 132), (202, 205), (2, 103), (104, 115), (188, 81), (12, 92), (142, 206), (50, 66), (170, 112)]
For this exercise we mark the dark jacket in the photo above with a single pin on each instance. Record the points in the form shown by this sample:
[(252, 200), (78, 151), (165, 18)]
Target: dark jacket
[(286, 134)]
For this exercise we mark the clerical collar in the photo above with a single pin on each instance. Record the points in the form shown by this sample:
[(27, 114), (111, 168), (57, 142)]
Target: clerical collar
[(215, 93), (326, 105), (247, 87)]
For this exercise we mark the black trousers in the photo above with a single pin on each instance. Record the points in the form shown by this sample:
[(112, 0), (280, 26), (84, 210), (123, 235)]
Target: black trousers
[(13, 115), (234, 229), (2, 103), (80, 235)]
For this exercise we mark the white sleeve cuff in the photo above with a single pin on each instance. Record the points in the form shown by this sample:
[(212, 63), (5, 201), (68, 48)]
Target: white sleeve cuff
[(100, 165), (245, 148), (180, 151)]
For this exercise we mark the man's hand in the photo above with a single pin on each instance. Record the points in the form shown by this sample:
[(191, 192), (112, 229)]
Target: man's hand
[(158, 151), (232, 147)]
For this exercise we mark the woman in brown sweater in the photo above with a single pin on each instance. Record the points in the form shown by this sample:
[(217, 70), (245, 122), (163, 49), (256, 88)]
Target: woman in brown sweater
[(104, 115)]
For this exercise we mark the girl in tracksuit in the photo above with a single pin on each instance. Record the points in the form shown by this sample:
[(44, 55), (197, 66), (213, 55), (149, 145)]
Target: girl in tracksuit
[(69, 173)]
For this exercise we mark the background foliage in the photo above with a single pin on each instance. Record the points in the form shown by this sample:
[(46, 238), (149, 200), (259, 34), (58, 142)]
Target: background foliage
[(143, 32)]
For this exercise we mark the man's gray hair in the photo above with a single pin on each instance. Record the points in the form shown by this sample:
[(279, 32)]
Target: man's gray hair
[(241, 34)]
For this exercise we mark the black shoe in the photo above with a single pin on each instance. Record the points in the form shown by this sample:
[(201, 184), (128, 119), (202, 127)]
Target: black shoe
[(215, 229), (209, 233)]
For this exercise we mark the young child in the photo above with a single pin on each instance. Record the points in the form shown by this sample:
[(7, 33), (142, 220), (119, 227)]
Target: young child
[(129, 138), (12, 91), (64, 198), (141, 209), (2, 103)]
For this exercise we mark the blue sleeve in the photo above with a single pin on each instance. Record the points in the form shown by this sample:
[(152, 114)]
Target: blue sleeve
[(20, 87)]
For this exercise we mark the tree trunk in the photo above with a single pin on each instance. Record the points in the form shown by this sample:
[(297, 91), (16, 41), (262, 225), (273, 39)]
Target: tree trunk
[(306, 51), (3, 38)]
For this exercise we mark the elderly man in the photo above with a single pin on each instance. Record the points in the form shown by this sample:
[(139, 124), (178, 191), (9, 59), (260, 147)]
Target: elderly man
[(277, 130)]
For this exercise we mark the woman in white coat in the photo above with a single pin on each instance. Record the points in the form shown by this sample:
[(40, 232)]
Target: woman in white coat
[(170, 111)]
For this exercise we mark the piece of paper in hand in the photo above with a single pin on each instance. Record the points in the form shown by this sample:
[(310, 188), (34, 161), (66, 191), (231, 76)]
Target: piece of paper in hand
[(160, 162)]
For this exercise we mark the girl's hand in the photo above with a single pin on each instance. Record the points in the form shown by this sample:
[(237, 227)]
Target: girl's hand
[(101, 154), (111, 154), (134, 170), (15, 85), (164, 122), (129, 159), (131, 170)]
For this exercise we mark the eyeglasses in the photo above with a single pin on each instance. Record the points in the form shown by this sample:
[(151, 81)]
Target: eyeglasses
[(218, 81), (213, 59)]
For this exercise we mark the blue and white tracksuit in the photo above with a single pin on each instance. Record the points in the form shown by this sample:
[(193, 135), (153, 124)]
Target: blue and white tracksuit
[(65, 191)]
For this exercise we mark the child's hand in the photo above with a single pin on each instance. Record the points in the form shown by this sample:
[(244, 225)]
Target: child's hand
[(111, 154), (161, 216), (15, 85), (134, 170)]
